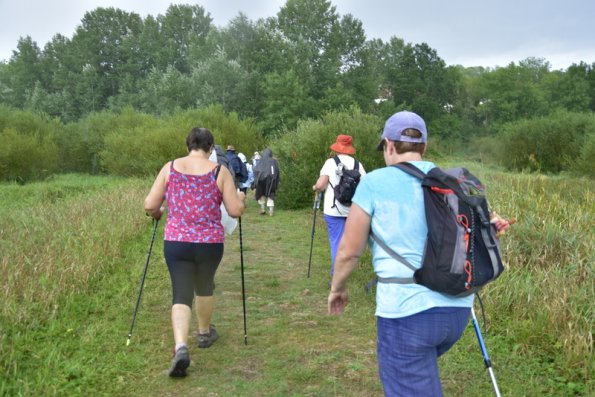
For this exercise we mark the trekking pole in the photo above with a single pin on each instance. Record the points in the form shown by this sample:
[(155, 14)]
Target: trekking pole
[(315, 207), (484, 351), (243, 289), (142, 283)]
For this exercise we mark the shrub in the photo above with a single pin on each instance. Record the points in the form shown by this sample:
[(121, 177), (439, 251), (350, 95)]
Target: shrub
[(142, 150), (549, 144), (302, 152), (24, 158), (584, 163), (28, 150)]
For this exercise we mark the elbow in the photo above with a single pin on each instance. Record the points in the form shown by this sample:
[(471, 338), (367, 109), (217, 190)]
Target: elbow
[(148, 207), (151, 208)]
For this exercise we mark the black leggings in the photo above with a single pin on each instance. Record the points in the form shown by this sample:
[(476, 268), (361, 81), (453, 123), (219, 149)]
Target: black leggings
[(192, 268)]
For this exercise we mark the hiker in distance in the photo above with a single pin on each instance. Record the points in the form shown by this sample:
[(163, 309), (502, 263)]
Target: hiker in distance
[(244, 186), (194, 188), (239, 169), (335, 213), (266, 181), (255, 159), (415, 325)]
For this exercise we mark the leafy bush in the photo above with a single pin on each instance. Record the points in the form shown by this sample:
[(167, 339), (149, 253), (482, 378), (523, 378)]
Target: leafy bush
[(142, 150), (93, 130), (548, 144), (302, 152), (24, 157), (584, 163), (28, 150)]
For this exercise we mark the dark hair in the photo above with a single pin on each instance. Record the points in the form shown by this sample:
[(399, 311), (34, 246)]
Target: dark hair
[(200, 138), (404, 147)]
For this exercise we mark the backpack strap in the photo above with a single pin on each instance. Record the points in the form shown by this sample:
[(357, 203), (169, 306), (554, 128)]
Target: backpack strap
[(338, 161), (410, 169), (416, 172), (399, 258)]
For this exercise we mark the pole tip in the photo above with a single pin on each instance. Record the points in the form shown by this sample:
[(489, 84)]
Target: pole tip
[(128, 342)]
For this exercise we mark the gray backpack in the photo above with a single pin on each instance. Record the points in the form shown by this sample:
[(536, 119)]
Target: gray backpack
[(462, 252)]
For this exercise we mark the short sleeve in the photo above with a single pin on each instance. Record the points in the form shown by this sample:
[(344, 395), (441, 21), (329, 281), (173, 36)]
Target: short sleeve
[(364, 196), (328, 168)]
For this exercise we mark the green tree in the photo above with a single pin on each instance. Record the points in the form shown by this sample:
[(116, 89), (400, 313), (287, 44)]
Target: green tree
[(183, 27), (163, 92), (256, 46), (22, 72), (328, 49), (421, 81), (258, 49), (567, 90), (285, 102), (512, 93), (104, 52), (218, 80)]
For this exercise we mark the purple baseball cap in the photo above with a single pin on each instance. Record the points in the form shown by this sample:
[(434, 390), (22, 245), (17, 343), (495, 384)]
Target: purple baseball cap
[(399, 122)]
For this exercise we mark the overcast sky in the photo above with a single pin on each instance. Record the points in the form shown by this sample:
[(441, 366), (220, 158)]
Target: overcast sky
[(466, 32)]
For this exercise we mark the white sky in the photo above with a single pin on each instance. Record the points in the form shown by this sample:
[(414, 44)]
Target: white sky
[(467, 32)]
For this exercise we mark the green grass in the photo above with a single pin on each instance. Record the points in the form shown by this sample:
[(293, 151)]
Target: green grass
[(72, 252)]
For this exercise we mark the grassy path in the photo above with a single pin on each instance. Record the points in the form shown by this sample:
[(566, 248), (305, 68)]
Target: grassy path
[(294, 348)]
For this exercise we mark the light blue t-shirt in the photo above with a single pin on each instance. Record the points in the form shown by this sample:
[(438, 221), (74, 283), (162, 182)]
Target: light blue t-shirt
[(394, 200)]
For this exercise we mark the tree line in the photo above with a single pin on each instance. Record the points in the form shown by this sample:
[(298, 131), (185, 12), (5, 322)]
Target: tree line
[(302, 64)]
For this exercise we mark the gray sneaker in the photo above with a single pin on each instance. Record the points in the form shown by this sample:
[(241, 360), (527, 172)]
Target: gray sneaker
[(180, 363), (206, 340)]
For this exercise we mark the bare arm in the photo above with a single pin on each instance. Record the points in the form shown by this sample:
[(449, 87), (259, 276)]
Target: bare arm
[(233, 200), (321, 183), (351, 247), (156, 196)]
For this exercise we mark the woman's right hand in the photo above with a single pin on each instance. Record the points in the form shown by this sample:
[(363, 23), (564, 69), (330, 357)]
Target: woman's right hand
[(242, 195)]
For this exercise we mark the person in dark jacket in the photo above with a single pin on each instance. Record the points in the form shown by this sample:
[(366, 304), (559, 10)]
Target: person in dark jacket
[(235, 163), (218, 156), (266, 181)]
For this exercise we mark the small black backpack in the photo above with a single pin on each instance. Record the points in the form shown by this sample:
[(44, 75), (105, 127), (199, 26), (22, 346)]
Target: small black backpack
[(462, 252), (348, 182)]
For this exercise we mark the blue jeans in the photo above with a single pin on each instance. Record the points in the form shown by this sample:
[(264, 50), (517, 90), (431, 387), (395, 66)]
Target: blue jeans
[(409, 347), (335, 226)]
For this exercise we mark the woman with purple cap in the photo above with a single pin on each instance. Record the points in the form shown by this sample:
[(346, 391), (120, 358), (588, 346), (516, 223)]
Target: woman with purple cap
[(334, 212)]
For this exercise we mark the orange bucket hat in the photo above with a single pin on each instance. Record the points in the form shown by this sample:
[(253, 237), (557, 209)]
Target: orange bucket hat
[(343, 145)]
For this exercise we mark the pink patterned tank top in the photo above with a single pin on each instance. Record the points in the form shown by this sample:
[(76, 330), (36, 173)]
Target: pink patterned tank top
[(194, 213)]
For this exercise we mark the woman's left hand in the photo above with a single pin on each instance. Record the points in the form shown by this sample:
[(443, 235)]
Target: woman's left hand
[(500, 223)]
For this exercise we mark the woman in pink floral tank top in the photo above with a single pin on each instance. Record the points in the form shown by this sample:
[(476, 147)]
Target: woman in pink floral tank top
[(194, 189)]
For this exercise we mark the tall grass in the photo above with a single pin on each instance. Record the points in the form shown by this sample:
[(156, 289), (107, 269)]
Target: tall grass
[(57, 239), (548, 289)]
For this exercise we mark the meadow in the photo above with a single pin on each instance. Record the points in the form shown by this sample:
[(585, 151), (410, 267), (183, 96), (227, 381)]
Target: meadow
[(73, 248)]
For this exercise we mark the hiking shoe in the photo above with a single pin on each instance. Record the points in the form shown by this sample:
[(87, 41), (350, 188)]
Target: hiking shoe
[(262, 211), (180, 363), (206, 340)]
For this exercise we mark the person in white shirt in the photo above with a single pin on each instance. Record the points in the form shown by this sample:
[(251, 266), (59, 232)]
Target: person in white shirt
[(334, 212)]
